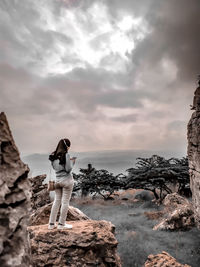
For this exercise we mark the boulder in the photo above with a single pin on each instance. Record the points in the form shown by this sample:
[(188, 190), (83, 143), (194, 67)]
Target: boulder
[(41, 215), (174, 200), (37, 183), (15, 196), (88, 243), (180, 219), (178, 212), (163, 259), (144, 195), (40, 194), (193, 150)]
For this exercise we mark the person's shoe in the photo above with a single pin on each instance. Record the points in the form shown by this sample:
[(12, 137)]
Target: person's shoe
[(65, 226), (51, 226)]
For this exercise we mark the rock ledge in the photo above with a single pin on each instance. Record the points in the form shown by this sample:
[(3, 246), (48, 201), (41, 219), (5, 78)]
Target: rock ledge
[(88, 243)]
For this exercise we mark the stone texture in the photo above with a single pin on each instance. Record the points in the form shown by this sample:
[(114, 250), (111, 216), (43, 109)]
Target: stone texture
[(196, 99), (41, 215), (180, 219), (144, 195), (15, 196), (40, 194), (193, 150), (174, 200), (178, 212), (163, 259), (88, 243)]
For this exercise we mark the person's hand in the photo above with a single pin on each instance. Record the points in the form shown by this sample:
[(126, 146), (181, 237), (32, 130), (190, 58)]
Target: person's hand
[(74, 159)]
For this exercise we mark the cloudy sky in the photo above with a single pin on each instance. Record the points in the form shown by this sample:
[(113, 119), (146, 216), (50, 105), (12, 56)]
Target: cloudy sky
[(106, 74)]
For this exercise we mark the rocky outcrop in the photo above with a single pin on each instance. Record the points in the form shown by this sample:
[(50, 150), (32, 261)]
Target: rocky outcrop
[(14, 201), (163, 259), (174, 200), (40, 194), (41, 215), (179, 214), (180, 219), (193, 150), (88, 243)]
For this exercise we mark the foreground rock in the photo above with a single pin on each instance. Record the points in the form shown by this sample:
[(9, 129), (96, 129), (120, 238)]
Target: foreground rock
[(15, 196), (88, 243), (163, 259), (41, 215), (193, 150), (179, 212), (40, 195)]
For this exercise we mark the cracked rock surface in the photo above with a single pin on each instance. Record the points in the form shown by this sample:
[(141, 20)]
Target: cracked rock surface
[(40, 194), (163, 259), (193, 136), (88, 243), (179, 214), (14, 201)]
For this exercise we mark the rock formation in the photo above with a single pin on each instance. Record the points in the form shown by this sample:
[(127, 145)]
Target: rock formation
[(14, 201), (179, 214), (41, 215), (193, 136), (40, 195), (180, 219), (88, 243), (174, 200), (163, 259)]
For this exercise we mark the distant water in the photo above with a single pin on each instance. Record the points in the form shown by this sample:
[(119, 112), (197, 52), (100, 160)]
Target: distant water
[(115, 161)]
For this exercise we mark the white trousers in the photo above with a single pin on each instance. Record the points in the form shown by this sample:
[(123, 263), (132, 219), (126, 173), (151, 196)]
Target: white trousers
[(63, 193)]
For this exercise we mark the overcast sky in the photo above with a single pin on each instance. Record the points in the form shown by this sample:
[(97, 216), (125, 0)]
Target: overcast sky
[(105, 74)]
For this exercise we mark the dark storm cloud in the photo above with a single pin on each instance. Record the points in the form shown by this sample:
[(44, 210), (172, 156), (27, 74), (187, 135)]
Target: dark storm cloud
[(28, 94), (86, 94), (89, 88), (174, 34)]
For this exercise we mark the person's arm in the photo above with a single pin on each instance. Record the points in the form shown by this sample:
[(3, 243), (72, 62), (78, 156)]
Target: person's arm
[(68, 165)]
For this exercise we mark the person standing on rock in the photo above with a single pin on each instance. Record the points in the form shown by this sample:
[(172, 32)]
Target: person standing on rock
[(64, 183)]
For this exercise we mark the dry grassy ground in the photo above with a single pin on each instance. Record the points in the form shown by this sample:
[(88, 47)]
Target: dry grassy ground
[(135, 235)]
